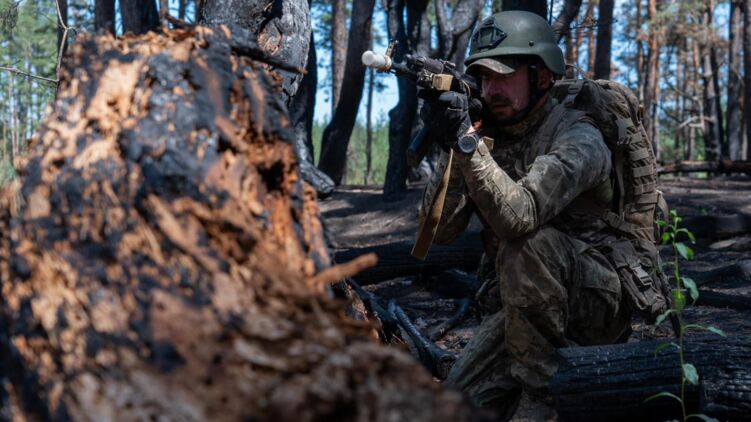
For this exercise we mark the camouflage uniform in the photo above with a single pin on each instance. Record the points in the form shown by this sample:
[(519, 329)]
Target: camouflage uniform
[(536, 197)]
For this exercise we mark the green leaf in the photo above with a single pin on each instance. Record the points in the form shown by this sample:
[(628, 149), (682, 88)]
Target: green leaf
[(702, 416), (664, 345), (664, 394), (713, 329), (679, 300), (710, 328), (692, 289), (661, 223), (691, 236), (689, 372), (665, 238), (661, 318), (686, 252)]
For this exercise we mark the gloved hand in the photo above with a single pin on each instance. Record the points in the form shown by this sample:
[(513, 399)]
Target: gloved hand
[(446, 115)]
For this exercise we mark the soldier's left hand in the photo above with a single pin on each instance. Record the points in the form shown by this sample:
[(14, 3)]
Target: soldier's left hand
[(447, 115)]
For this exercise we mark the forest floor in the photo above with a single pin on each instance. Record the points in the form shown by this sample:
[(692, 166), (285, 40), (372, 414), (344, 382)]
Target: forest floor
[(357, 217)]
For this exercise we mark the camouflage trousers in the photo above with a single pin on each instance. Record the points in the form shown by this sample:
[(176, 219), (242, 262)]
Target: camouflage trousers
[(556, 291)]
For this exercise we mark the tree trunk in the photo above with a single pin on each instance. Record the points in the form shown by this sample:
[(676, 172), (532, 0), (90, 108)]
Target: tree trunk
[(402, 116), (535, 6), (640, 80), (652, 79), (104, 16), (283, 28), (562, 24), (336, 136), (139, 16), (181, 6), (301, 109), (713, 121), (613, 382), (734, 122), (747, 74), (339, 47), (172, 265), (163, 13), (604, 40), (591, 46), (369, 126)]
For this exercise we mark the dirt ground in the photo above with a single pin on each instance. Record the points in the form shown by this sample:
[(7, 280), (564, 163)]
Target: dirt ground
[(357, 217)]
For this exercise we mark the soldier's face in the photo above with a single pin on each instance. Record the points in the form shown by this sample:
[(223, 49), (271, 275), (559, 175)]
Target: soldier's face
[(505, 94)]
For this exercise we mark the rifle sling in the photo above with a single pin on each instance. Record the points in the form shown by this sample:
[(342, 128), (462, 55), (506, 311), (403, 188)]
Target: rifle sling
[(430, 224)]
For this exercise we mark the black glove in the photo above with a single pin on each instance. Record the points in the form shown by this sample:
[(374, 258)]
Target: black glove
[(446, 115)]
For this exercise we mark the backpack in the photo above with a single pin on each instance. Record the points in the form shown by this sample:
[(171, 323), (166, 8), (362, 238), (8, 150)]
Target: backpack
[(618, 114)]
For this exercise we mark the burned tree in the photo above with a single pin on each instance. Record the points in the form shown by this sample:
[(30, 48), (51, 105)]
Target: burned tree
[(283, 29), (139, 16), (161, 257)]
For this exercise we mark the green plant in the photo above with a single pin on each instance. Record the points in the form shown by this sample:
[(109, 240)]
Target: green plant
[(672, 235)]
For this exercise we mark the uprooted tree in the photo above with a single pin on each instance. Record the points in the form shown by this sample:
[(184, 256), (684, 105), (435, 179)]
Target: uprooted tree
[(160, 256)]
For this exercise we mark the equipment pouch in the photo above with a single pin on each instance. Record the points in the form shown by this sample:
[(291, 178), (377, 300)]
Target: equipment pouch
[(644, 285)]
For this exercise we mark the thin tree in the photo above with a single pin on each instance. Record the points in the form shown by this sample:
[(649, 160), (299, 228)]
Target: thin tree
[(604, 40), (713, 119), (139, 16), (104, 16), (336, 136), (562, 28), (652, 79), (735, 49), (338, 49)]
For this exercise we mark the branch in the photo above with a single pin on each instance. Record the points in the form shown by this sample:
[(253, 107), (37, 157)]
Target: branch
[(28, 75), (61, 22)]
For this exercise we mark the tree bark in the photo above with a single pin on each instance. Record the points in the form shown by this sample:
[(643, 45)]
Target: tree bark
[(181, 6), (394, 259), (283, 28), (535, 6), (301, 109), (583, 390), (402, 117), (104, 16), (172, 264), (604, 40), (562, 24), (713, 120), (338, 49), (747, 74), (591, 46), (336, 136), (139, 16), (735, 50), (652, 79), (369, 126)]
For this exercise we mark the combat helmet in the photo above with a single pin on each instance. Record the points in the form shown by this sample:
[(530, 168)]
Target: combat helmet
[(515, 33)]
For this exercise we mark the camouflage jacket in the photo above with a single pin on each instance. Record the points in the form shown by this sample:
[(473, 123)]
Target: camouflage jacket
[(517, 181)]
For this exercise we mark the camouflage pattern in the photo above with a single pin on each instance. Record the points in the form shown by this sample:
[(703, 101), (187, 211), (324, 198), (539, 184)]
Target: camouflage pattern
[(556, 288)]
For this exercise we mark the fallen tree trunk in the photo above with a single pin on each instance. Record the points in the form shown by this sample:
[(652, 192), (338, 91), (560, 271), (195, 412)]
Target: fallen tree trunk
[(160, 257), (612, 382), (722, 166), (718, 226), (394, 259)]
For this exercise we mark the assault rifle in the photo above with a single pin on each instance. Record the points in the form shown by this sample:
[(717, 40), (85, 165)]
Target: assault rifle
[(426, 73)]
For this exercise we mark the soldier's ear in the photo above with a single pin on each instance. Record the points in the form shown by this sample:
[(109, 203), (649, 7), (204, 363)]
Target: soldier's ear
[(544, 78)]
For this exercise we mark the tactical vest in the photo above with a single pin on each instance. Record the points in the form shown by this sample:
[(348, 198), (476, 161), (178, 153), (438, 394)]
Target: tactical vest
[(617, 113)]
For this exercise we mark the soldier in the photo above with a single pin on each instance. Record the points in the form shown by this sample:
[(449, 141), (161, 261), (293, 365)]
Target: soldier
[(537, 176)]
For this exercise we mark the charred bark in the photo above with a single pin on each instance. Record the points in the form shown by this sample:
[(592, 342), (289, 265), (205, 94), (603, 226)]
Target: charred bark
[(394, 259), (415, 33), (62, 44), (613, 382), (336, 136), (339, 36), (282, 27), (735, 50), (139, 16), (562, 24), (301, 109), (104, 16), (604, 40), (535, 6), (161, 259), (746, 7)]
